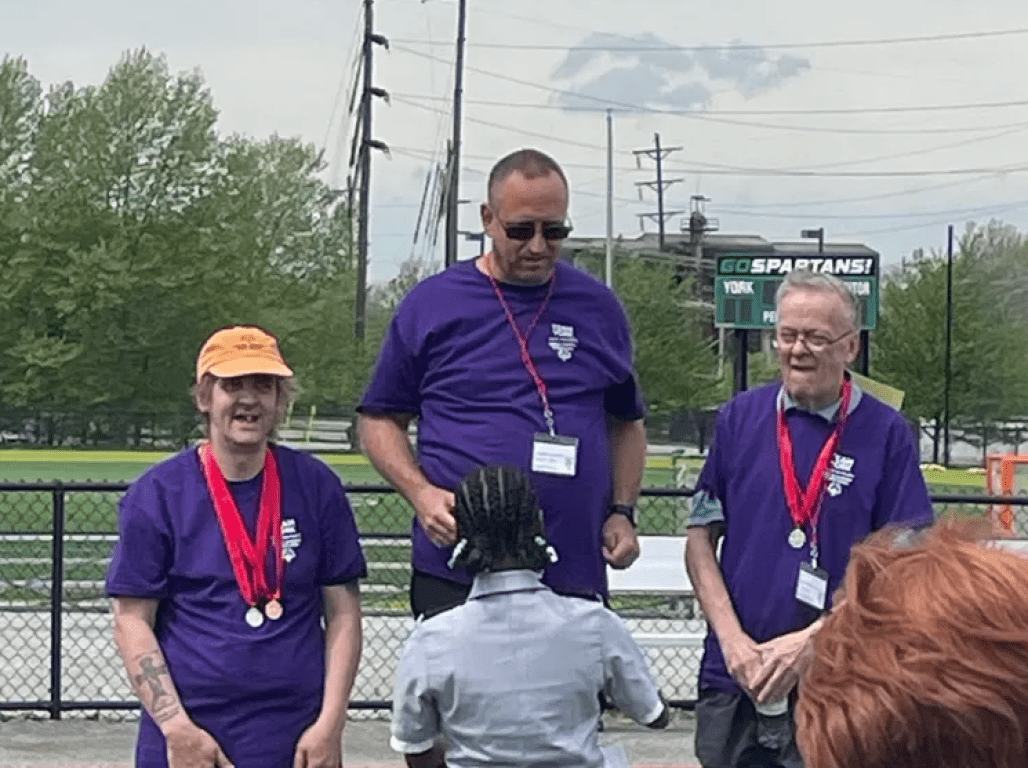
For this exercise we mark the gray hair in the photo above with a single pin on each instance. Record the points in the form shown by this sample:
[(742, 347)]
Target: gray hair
[(805, 280), (287, 388)]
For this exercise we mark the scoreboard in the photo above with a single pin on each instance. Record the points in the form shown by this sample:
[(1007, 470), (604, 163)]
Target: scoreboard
[(745, 286)]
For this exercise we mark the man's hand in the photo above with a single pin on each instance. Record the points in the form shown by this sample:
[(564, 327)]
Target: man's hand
[(783, 662), (190, 746), (620, 544), (320, 746), (434, 508), (743, 660)]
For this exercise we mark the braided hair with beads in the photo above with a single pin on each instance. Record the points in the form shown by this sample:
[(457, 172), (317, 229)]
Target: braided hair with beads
[(499, 522)]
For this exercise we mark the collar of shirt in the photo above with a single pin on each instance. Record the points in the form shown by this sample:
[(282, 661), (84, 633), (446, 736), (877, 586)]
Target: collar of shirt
[(829, 413), (500, 582)]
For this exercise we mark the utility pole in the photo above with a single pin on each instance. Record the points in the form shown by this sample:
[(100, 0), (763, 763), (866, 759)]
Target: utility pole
[(948, 374), (657, 154), (366, 144), (608, 270), (453, 194)]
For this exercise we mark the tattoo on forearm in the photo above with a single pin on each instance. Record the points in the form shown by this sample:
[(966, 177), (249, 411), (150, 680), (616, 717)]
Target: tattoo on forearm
[(153, 686)]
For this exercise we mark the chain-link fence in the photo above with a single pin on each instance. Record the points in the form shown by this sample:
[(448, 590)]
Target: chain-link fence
[(56, 648)]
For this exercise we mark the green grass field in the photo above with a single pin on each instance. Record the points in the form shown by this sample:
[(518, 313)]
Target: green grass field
[(95, 512), (25, 562)]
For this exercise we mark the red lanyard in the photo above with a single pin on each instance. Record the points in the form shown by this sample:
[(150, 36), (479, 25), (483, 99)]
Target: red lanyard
[(526, 356), (805, 505), (249, 557)]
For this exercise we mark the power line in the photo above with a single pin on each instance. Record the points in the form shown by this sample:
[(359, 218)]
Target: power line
[(955, 212), (875, 197), (501, 126), (611, 104), (718, 169), (937, 222), (771, 172), (732, 170), (422, 154), (921, 151), (641, 109), (860, 42)]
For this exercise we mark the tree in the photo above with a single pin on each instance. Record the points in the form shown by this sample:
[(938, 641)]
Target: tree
[(129, 231), (674, 349), (989, 346)]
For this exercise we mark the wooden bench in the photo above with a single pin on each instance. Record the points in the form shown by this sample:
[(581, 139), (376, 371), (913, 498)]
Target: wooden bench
[(660, 570)]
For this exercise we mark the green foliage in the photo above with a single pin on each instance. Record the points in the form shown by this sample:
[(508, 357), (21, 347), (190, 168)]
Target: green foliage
[(675, 348), (989, 359), (130, 230)]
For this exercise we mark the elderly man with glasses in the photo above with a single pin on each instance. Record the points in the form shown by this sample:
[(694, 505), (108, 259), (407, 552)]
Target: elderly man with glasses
[(800, 471), (513, 358)]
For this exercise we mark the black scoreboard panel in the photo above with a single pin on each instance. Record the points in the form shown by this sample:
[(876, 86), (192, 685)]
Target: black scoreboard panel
[(745, 286)]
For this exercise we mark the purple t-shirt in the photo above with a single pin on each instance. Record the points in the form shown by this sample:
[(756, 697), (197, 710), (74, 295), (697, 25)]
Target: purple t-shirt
[(875, 481), (255, 690), (451, 357)]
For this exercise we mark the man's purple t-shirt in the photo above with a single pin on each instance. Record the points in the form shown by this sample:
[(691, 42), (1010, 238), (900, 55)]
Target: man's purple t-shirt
[(877, 482), (451, 358), (255, 690)]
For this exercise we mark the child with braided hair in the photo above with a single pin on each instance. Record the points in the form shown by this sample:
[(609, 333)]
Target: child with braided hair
[(512, 676)]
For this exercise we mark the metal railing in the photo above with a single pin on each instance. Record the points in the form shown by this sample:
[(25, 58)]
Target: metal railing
[(57, 652)]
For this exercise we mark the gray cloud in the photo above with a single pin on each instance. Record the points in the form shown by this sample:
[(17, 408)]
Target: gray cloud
[(670, 78)]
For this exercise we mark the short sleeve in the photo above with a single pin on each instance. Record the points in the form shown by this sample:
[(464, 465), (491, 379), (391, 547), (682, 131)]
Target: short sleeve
[(142, 557), (707, 505), (342, 558), (415, 723), (624, 400), (627, 678), (902, 497), (395, 385)]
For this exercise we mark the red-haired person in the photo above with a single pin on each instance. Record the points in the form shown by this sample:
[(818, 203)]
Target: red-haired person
[(924, 660)]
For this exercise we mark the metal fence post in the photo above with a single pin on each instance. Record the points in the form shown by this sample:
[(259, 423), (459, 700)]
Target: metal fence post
[(56, 595)]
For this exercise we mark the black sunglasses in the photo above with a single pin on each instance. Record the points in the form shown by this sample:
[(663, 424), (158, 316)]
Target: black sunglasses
[(552, 230)]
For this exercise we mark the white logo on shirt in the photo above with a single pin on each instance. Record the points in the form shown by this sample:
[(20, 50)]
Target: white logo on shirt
[(291, 539), (563, 341), (840, 474)]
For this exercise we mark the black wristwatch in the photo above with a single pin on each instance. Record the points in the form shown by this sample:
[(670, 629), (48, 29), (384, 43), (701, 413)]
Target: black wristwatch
[(623, 509)]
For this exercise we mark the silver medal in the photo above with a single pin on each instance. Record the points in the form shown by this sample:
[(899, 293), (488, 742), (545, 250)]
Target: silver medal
[(254, 617), (797, 538)]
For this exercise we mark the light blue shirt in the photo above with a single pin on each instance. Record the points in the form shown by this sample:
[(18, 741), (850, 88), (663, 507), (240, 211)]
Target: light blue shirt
[(513, 676)]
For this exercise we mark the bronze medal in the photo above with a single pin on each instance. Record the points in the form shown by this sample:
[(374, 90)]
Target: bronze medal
[(273, 610)]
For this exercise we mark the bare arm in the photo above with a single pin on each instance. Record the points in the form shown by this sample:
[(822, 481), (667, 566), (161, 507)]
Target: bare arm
[(321, 744), (383, 438), (741, 654), (188, 744), (628, 458)]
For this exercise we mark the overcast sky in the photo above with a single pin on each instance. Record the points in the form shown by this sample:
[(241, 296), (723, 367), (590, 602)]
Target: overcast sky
[(881, 143)]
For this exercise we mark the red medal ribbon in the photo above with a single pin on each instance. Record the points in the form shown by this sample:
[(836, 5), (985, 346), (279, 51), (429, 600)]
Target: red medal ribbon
[(805, 505), (249, 557), (526, 355)]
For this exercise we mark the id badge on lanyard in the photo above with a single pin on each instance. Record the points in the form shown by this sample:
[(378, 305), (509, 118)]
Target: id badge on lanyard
[(552, 454), (804, 504)]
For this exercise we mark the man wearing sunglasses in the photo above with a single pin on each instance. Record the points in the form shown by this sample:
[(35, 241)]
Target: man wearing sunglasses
[(799, 472), (514, 358)]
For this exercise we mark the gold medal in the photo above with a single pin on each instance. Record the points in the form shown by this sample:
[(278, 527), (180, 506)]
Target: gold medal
[(273, 610), (797, 538), (254, 617)]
